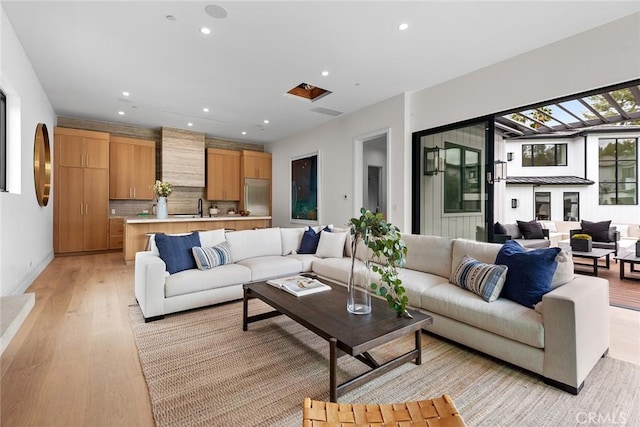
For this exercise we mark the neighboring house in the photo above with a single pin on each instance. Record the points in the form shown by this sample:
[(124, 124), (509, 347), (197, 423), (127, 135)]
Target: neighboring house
[(591, 174)]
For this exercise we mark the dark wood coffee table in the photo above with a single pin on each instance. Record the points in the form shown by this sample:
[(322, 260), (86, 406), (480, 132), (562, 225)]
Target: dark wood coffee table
[(325, 314)]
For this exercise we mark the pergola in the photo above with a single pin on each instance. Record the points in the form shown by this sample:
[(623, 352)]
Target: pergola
[(612, 106)]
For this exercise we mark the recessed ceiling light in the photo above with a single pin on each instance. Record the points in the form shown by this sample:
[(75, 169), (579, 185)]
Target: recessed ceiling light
[(325, 73), (205, 109), (205, 30), (266, 122), (244, 133), (403, 26), (189, 124), (171, 17), (121, 113), (125, 93)]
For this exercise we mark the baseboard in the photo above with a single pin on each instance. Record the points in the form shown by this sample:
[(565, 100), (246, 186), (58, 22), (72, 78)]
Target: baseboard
[(15, 309), (21, 285)]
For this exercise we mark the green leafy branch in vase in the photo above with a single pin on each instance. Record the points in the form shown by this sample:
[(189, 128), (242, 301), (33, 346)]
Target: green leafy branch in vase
[(389, 252)]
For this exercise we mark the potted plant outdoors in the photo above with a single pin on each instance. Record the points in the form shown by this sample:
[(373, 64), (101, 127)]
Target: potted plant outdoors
[(386, 246), (581, 243), (162, 190)]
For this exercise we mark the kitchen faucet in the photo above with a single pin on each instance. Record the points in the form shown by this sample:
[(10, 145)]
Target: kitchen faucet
[(200, 207)]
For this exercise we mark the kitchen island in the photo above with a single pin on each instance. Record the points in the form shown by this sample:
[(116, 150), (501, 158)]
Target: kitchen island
[(136, 228)]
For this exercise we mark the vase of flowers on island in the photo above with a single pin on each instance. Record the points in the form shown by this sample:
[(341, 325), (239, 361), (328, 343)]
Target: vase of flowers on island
[(162, 190)]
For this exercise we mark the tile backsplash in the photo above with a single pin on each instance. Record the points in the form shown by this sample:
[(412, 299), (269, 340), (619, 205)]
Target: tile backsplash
[(183, 200)]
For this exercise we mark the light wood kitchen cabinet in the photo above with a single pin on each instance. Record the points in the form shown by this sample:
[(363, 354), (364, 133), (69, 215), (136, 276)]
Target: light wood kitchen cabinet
[(223, 174), (132, 168), (256, 164), (82, 148), (116, 233), (81, 185)]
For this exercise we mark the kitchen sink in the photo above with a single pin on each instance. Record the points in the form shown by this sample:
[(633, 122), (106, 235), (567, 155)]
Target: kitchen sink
[(185, 216)]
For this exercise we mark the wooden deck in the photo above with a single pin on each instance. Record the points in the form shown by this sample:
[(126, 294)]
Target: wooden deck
[(622, 293)]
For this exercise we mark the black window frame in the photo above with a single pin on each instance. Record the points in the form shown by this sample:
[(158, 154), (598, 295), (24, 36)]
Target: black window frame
[(617, 181), (556, 155), (538, 204), (465, 187), (3, 141), (567, 202)]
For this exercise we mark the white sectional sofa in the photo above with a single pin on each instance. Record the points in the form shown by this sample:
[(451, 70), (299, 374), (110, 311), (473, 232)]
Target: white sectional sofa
[(562, 341)]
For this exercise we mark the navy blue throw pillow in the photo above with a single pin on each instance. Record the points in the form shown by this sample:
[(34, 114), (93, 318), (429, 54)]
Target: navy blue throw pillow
[(310, 239), (529, 274), (176, 251)]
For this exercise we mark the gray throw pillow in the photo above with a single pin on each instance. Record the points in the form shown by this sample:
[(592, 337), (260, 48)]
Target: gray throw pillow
[(512, 230)]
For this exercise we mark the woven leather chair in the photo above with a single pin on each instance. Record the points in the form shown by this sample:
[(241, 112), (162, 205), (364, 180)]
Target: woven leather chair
[(437, 412)]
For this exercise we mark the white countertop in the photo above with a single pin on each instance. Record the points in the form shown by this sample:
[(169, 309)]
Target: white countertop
[(151, 218)]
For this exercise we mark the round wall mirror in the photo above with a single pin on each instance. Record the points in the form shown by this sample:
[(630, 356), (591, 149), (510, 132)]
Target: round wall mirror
[(42, 164)]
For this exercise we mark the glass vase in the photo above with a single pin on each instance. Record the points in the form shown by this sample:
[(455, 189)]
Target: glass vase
[(359, 289), (161, 209)]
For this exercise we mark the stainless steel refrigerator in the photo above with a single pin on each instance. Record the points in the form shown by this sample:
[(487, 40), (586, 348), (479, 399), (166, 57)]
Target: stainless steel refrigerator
[(256, 196)]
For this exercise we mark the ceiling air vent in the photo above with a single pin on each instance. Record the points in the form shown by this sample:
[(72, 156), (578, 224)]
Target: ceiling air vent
[(326, 111), (308, 92)]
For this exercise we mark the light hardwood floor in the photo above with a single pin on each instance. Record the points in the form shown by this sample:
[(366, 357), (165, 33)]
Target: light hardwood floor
[(74, 361)]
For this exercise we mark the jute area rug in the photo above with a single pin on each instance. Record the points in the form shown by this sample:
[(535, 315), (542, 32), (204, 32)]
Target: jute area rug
[(203, 370)]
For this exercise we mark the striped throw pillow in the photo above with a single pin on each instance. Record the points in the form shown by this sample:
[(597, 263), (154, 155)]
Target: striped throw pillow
[(482, 279), (207, 258)]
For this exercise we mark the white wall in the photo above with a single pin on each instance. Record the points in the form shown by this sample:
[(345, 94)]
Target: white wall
[(577, 152), (559, 69), (335, 142), (599, 57), (26, 229)]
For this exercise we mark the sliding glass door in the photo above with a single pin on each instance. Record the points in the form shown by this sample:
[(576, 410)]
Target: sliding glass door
[(450, 188)]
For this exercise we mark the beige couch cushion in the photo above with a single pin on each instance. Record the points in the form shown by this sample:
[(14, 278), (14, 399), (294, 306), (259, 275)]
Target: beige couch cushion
[(268, 267), (306, 260), (483, 252), (502, 317), (336, 268), (416, 283), (194, 280), (291, 238), (254, 243), (430, 254)]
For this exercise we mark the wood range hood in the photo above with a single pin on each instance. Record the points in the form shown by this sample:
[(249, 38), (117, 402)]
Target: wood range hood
[(182, 155)]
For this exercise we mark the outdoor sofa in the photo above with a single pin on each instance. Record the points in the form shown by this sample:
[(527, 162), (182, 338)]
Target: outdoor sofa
[(561, 339)]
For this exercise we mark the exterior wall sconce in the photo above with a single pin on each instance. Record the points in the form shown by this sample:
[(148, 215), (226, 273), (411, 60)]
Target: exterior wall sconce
[(433, 160), (509, 156), (514, 203), (499, 172)]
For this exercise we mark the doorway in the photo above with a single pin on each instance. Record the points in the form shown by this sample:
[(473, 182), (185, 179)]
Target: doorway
[(370, 172), (373, 195)]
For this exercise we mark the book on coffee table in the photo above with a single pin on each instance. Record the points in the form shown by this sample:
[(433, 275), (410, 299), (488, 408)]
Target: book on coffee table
[(299, 285)]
